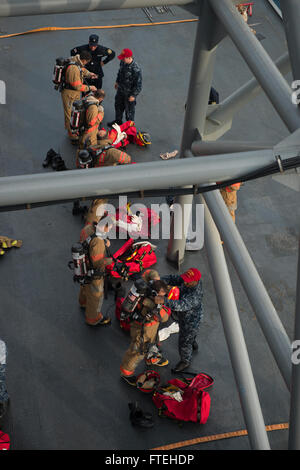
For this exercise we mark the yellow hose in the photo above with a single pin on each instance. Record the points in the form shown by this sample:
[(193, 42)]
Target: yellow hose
[(53, 28)]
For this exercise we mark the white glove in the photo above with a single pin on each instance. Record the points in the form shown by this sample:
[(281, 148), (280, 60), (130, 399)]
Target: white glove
[(166, 332), (2, 352), (137, 222)]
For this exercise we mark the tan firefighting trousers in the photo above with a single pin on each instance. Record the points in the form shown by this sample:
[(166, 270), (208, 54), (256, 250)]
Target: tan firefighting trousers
[(230, 199), (91, 297), (88, 139), (139, 346), (68, 97)]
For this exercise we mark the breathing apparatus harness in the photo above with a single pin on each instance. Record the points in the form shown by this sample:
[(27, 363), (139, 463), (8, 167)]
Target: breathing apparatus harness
[(59, 73), (81, 264), (132, 305), (132, 310), (79, 108)]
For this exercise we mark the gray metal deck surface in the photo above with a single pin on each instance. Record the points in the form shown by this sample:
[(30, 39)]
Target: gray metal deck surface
[(62, 376)]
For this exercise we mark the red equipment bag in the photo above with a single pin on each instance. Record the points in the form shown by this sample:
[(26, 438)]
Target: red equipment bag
[(124, 324), (136, 255), (194, 404), (4, 441)]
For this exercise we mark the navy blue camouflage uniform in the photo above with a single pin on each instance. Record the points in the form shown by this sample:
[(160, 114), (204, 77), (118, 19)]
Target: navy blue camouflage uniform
[(129, 81), (189, 309)]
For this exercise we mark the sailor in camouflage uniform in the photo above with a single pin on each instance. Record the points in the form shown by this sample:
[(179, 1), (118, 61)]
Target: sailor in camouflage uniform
[(128, 86), (190, 312)]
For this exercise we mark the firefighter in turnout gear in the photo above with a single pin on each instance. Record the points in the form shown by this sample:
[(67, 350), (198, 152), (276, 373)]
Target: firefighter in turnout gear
[(229, 195), (74, 86), (100, 56), (91, 295), (143, 332), (104, 157), (94, 114)]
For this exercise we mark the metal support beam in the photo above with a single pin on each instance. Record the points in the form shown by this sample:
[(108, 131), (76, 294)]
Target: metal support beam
[(262, 66), (201, 147), (291, 20), (265, 312), (196, 109), (124, 179), (220, 117), (234, 336), (294, 431), (45, 7)]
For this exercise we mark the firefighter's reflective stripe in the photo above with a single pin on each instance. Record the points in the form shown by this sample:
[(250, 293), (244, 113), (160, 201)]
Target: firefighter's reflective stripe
[(84, 233), (233, 187), (101, 160), (92, 125), (125, 372), (78, 83), (97, 257), (151, 323), (122, 157)]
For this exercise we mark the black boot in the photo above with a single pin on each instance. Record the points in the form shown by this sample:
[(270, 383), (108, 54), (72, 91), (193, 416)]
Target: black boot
[(49, 157), (182, 365), (58, 163), (138, 417), (116, 121)]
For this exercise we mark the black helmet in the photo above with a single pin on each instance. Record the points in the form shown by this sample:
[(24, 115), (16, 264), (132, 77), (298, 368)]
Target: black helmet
[(93, 40), (85, 159)]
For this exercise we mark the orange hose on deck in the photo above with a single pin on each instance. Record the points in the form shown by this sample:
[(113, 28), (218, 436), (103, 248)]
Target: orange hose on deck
[(54, 28)]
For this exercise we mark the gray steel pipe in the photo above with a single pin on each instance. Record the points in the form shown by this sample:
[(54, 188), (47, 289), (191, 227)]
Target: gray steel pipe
[(196, 109), (258, 60), (291, 20), (266, 314), (294, 430), (73, 184), (45, 7), (202, 147), (234, 336)]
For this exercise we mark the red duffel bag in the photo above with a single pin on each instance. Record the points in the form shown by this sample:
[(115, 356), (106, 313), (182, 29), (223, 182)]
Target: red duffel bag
[(186, 399), (137, 256), (4, 441)]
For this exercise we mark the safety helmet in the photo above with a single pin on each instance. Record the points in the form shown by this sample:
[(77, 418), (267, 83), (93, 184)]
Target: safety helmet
[(143, 138), (85, 159)]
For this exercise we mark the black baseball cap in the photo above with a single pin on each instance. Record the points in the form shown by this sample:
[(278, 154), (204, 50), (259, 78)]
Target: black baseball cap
[(93, 39)]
